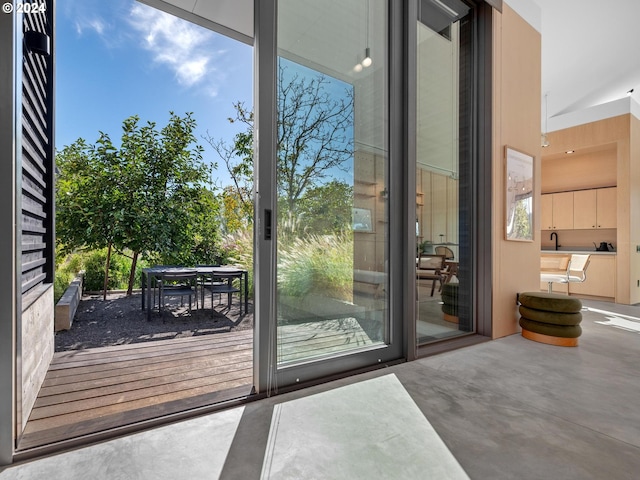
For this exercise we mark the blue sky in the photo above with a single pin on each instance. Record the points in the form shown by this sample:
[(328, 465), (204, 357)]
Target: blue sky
[(121, 58)]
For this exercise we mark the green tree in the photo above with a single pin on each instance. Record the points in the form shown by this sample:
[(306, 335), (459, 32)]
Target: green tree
[(314, 141), (87, 211), (146, 196), (522, 219), (314, 138), (237, 198), (326, 208)]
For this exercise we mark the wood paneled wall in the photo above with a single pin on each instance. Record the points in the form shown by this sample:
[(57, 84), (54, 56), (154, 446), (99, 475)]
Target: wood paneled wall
[(607, 146), (580, 170), (634, 212), (516, 117)]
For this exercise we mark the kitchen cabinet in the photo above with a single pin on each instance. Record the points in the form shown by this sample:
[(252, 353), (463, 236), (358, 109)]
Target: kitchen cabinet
[(584, 209), (594, 208), (557, 211), (601, 278), (606, 207)]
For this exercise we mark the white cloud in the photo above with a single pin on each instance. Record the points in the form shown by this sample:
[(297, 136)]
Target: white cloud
[(94, 24), (179, 45), (87, 16)]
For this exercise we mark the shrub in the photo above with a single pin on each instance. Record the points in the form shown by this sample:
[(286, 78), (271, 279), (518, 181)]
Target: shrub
[(94, 271), (237, 249), (60, 283), (323, 263), (93, 262), (67, 267)]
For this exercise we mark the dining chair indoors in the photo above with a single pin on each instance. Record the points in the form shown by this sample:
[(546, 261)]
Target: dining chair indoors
[(576, 272), (431, 267), (446, 251)]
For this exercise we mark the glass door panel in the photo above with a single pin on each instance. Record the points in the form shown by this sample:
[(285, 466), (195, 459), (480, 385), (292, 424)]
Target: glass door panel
[(332, 177), (442, 172)]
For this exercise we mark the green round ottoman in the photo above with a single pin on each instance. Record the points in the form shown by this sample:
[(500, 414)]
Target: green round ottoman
[(450, 302), (550, 318)]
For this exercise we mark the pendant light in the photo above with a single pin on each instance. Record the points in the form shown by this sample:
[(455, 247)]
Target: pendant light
[(366, 61)]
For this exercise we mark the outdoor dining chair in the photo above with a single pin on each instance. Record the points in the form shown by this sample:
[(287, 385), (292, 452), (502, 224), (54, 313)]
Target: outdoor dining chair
[(208, 282), (221, 282), (178, 283)]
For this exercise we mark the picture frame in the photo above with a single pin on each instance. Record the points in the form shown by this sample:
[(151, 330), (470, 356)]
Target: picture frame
[(519, 198), (362, 220)]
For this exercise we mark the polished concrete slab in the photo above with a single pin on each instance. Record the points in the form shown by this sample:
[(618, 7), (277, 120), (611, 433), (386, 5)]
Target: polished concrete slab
[(513, 408), (369, 429), (193, 449), (505, 409)]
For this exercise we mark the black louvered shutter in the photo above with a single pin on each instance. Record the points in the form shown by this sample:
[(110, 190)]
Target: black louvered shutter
[(37, 200)]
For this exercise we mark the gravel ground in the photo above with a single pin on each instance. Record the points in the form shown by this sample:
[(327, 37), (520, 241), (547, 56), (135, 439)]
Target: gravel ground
[(119, 320)]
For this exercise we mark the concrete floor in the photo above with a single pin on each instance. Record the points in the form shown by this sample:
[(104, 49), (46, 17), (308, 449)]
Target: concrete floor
[(506, 409)]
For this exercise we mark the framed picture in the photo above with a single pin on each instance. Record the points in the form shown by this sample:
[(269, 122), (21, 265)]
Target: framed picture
[(362, 220), (519, 195)]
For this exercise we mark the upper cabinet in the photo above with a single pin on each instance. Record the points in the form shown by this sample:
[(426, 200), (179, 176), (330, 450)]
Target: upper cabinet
[(606, 207), (594, 208), (557, 211), (579, 210), (584, 209)]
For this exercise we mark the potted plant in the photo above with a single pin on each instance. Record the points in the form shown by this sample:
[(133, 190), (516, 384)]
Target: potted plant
[(426, 247)]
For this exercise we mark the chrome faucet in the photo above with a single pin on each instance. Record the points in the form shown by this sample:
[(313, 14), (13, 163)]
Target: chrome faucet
[(551, 238)]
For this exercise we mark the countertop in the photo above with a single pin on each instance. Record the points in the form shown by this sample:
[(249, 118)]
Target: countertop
[(569, 250)]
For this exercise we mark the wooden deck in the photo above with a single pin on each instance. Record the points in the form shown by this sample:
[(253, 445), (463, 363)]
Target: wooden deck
[(309, 340), (87, 392), (91, 391)]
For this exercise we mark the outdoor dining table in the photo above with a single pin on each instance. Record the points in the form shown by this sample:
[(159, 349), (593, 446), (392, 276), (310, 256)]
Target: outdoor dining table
[(150, 275)]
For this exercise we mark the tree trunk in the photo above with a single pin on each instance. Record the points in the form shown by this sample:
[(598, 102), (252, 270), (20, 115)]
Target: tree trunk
[(106, 272), (132, 273)]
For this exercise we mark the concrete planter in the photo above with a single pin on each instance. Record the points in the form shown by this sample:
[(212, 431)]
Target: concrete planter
[(68, 304)]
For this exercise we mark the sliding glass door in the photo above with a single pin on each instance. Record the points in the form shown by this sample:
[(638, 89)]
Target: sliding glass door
[(328, 208), (443, 170)]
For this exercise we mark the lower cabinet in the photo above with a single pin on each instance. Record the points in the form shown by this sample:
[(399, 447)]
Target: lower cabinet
[(600, 282), (601, 278)]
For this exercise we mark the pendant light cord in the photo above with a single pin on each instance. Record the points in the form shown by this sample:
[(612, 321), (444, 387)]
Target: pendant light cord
[(368, 4), (546, 114)]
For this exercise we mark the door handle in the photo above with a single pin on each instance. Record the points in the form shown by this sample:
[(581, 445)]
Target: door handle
[(267, 224)]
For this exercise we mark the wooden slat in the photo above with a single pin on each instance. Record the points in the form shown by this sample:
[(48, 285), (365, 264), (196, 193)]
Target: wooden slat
[(32, 282), (75, 375), (130, 358), (99, 352), (29, 190), (72, 417), (110, 400), (26, 266), (141, 370), (35, 210), (51, 394)]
